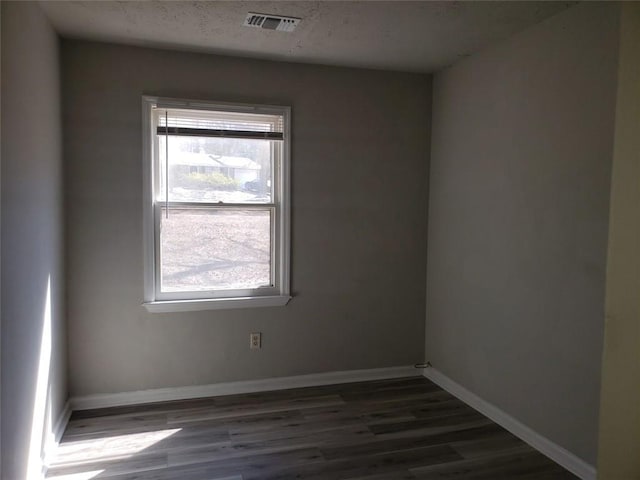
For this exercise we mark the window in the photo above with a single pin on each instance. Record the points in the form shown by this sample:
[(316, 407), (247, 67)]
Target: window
[(216, 205)]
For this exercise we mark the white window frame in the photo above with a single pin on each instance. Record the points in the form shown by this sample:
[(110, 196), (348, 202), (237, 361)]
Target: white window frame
[(275, 295)]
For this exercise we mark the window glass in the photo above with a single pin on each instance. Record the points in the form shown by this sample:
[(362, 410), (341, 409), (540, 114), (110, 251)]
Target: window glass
[(205, 169), (215, 249)]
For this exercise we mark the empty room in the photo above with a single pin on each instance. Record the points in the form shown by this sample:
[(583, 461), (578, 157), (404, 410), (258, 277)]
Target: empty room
[(332, 240)]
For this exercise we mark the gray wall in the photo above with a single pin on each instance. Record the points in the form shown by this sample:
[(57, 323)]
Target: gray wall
[(32, 237), (620, 397), (359, 185), (518, 208)]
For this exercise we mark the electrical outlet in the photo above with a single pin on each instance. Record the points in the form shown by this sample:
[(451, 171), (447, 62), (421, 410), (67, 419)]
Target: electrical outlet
[(255, 340)]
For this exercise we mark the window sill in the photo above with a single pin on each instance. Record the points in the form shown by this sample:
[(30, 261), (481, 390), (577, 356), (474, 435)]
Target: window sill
[(215, 304)]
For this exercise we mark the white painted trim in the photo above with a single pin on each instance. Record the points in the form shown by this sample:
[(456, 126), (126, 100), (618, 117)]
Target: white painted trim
[(545, 446), (61, 424), (148, 175), (232, 388), (52, 440), (216, 304)]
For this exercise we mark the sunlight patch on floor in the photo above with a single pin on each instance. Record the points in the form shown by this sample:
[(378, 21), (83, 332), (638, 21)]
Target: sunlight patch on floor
[(77, 476), (120, 446)]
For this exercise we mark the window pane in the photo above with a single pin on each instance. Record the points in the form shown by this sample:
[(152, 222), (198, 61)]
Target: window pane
[(206, 169), (211, 249)]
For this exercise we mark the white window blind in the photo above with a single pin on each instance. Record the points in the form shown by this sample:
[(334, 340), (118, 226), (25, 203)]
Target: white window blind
[(220, 124)]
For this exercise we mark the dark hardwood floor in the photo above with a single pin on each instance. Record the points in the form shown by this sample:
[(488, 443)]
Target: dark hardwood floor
[(384, 430)]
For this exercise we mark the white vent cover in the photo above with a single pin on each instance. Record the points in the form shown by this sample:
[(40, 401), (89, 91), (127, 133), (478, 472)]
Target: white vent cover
[(271, 22)]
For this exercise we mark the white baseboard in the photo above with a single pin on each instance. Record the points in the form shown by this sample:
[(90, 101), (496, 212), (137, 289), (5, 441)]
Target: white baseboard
[(61, 424), (232, 388), (555, 452), (53, 438)]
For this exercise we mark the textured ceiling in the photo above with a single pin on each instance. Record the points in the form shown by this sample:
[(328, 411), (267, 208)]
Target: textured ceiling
[(395, 35)]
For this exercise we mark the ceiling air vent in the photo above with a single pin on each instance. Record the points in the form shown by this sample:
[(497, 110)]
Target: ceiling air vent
[(271, 22)]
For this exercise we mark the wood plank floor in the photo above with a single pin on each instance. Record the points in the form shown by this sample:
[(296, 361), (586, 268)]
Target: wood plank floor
[(384, 430)]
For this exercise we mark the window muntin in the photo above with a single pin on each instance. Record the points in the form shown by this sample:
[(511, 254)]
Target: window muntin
[(219, 201)]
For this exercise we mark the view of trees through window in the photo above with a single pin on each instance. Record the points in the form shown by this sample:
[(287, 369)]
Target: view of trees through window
[(216, 169)]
